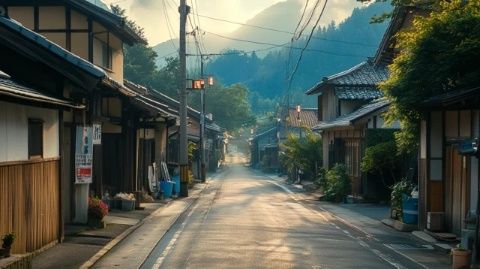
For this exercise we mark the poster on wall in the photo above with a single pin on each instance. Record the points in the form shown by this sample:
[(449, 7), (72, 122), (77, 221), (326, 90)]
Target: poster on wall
[(83, 155), (97, 134)]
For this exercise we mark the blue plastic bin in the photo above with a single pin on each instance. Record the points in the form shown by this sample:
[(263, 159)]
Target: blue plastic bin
[(167, 188), (176, 179), (410, 209)]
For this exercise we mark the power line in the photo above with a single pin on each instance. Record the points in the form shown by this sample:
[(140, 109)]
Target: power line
[(281, 45), (169, 25), (306, 44), (300, 33), (301, 17), (284, 32)]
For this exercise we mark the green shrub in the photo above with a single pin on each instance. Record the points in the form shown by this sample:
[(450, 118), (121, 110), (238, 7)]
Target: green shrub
[(402, 187), (320, 179), (337, 184)]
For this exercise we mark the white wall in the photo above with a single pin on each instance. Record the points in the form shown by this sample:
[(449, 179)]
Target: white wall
[(14, 131)]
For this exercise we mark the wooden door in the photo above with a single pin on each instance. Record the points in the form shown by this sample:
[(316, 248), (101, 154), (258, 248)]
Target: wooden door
[(113, 169), (456, 186)]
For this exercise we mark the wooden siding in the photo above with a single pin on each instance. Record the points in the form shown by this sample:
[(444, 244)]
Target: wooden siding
[(29, 203)]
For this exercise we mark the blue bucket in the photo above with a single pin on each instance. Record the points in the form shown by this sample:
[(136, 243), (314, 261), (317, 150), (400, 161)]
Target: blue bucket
[(176, 179), (410, 210), (167, 188)]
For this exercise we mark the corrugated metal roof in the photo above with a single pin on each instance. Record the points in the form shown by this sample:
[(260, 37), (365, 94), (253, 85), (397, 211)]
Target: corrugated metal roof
[(308, 117), (9, 87), (363, 74), (349, 119)]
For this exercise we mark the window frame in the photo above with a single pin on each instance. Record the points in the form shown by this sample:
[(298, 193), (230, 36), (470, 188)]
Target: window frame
[(35, 153)]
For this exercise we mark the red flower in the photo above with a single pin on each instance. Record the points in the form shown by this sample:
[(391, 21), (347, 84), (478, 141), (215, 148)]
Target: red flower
[(97, 209)]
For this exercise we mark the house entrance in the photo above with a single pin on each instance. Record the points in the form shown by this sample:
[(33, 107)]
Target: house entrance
[(456, 195)]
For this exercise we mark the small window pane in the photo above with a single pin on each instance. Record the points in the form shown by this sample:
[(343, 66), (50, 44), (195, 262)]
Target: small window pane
[(35, 138)]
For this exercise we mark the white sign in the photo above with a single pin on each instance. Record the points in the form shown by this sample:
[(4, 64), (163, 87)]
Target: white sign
[(97, 134), (83, 155)]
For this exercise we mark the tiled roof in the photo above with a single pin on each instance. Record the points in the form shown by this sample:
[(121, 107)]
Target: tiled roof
[(164, 104), (452, 98), (70, 58), (363, 74), (357, 93), (52, 47), (349, 119), (9, 87), (306, 118)]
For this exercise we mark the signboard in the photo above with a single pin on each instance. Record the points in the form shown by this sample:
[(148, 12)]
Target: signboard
[(83, 155), (97, 134)]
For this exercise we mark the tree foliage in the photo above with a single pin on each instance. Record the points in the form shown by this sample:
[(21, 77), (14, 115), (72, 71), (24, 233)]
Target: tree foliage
[(439, 54), (302, 153), (337, 184), (230, 106)]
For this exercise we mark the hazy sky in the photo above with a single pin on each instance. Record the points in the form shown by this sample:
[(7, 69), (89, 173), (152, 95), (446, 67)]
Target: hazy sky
[(150, 13)]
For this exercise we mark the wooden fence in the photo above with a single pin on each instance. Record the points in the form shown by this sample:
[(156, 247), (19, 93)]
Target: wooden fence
[(29, 203)]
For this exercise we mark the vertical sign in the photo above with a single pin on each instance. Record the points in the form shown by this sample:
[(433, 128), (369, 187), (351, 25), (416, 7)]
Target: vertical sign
[(97, 134), (83, 155)]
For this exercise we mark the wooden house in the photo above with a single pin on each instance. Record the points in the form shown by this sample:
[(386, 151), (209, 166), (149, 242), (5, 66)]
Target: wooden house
[(449, 163), (264, 149), (84, 35), (32, 111), (30, 162), (348, 105)]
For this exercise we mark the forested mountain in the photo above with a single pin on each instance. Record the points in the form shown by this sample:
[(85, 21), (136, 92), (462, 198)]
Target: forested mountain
[(282, 15), (332, 49)]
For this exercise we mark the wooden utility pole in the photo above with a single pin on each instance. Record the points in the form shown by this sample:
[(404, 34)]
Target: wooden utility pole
[(203, 174), (183, 160)]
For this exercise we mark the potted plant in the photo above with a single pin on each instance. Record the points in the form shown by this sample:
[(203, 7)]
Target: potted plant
[(460, 257), (7, 244), (97, 210)]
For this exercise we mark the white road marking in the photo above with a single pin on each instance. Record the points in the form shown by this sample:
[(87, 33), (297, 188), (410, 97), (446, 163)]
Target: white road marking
[(377, 252), (158, 263), (405, 256)]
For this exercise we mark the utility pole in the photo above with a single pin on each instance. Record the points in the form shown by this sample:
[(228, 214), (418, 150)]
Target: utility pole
[(183, 160), (203, 175)]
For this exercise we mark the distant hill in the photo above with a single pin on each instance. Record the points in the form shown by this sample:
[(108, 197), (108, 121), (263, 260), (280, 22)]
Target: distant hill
[(282, 15), (333, 49)]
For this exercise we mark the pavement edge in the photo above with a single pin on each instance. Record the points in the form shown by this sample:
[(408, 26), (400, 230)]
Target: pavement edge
[(102, 252)]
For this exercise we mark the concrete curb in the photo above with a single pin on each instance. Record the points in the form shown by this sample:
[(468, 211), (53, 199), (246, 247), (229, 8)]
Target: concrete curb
[(102, 252)]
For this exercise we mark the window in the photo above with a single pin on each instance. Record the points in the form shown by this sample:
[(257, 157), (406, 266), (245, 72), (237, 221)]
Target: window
[(106, 56), (35, 138)]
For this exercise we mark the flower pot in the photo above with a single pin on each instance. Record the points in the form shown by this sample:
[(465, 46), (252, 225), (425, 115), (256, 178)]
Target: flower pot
[(460, 258), (5, 252), (96, 223)]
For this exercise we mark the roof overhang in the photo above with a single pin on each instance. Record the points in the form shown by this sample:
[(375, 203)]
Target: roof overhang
[(11, 90)]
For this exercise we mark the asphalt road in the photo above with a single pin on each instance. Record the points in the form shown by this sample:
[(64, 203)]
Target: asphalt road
[(246, 220)]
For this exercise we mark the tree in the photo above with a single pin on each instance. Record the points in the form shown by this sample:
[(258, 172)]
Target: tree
[(139, 64), (168, 79), (302, 153), (229, 106), (439, 54)]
